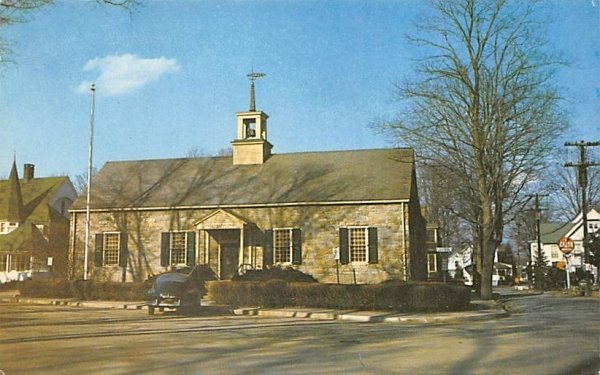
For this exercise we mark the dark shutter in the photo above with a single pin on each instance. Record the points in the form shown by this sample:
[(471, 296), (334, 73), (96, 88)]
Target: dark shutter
[(373, 256), (268, 248), (191, 249), (165, 245), (296, 246), (123, 250), (98, 250), (344, 246)]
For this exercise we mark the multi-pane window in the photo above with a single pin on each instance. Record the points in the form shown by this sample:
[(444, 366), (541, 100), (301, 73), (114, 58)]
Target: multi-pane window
[(178, 247), (3, 262), (20, 262), (358, 244), (111, 249), (282, 245), (431, 235)]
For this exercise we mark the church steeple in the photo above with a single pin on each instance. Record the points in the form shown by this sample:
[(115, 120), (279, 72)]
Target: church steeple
[(14, 209), (251, 145)]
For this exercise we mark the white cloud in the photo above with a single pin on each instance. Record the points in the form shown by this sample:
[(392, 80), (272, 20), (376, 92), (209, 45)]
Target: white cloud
[(120, 75)]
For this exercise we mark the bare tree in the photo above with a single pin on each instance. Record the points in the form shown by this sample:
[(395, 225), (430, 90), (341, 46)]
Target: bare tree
[(482, 110), (437, 194), (80, 181)]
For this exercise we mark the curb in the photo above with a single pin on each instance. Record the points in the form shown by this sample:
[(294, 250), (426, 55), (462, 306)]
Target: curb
[(486, 313), (375, 316), (73, 303)]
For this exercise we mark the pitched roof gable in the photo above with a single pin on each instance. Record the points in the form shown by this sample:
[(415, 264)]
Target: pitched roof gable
[(552, 233), (34, 193), (311, 177), (13, 209)]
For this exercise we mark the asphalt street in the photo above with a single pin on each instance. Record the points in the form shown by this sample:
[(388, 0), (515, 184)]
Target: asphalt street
[(542, 335)]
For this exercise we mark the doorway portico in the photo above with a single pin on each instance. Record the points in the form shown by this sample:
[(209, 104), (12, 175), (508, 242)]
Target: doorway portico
[(225, 243)]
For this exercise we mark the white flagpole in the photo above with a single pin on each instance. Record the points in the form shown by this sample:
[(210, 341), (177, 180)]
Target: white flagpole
[(89, 186)]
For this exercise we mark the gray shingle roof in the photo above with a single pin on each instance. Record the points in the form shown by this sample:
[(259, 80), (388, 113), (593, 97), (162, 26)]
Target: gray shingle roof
[(333, 176), (551, 233)]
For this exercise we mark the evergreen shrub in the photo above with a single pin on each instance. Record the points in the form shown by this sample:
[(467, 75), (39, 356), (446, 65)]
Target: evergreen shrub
[(397, 296), (84, 290)]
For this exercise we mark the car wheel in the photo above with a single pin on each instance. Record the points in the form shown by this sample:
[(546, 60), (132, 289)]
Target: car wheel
[(150, 310)]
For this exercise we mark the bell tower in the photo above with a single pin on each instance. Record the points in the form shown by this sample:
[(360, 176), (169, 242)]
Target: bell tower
[(251, 145)]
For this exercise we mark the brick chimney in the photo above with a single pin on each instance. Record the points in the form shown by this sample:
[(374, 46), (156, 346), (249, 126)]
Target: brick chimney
[(28, 172)]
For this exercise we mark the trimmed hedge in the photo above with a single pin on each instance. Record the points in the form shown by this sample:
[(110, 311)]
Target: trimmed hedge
[(84, 290), (397, 296), (276, 273)]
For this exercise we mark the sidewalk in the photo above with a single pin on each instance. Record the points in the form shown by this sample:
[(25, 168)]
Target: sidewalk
[(482, 310)]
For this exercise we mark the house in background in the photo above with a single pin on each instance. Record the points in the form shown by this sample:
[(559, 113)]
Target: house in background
[(347, 216), (34, 225), (434, 260), (460, 264), (550, 235)]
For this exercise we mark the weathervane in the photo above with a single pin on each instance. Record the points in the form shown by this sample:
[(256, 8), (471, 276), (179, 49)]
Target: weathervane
[(253, 77)]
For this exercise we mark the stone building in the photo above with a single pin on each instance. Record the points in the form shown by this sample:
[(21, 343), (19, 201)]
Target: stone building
[(256, 209), (34, 225)]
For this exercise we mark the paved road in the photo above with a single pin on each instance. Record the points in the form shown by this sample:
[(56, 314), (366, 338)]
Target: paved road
[(543, 335)]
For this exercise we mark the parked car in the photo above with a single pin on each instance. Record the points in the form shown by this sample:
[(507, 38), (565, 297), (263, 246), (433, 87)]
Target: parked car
[(173, 290)]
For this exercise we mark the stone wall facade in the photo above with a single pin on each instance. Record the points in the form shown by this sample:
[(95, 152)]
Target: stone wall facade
[(400, 239)]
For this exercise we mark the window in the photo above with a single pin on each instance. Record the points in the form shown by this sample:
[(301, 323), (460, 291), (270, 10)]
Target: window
[(178, 248), (431, 263), (3, 262), (111, 249), (6, 227), (431, 235), (283, 246), (20, 262), (358, 245)]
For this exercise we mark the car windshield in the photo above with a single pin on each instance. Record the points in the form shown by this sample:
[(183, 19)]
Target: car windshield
[(171, 282)]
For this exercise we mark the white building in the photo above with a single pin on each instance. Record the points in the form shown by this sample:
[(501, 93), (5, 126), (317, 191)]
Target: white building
[(550, 235)]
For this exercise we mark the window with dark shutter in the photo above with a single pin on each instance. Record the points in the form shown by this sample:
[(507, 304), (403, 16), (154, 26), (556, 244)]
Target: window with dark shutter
[(373, 255), (165, 242), (191, 249), (344, 246), (296, 246), (268, 248), (99, 250)]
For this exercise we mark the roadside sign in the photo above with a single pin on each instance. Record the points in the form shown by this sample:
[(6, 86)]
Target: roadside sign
[(336, 253), (566, 245)]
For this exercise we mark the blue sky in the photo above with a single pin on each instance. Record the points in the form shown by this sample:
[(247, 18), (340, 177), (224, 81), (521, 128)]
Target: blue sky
[(172, 75)]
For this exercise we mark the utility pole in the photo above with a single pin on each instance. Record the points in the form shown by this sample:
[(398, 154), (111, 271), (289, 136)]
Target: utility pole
[(540, 257), (582, 167)]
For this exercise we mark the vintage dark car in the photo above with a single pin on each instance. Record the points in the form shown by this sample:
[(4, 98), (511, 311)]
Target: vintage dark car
[(173, 290)]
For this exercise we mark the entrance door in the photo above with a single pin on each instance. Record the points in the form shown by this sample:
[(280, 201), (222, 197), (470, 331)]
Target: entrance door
[(229, 260), (229, 249)]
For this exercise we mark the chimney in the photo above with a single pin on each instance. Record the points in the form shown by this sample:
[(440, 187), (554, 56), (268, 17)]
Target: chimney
[(28, 171)]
